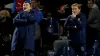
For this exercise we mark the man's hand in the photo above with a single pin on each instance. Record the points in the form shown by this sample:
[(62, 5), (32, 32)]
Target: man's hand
[(73, 15), (27, 9)]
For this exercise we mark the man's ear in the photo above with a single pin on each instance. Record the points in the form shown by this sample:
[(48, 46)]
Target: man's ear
[(79, 10)]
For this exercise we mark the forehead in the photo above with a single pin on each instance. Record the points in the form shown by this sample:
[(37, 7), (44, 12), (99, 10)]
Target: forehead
[(90, 2), (26, 4), (74, 7)]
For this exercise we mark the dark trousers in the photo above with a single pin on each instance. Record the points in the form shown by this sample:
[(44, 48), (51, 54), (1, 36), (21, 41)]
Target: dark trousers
[(92, 35), (79, 49), (23, 53), (19, 51), (38, 47)]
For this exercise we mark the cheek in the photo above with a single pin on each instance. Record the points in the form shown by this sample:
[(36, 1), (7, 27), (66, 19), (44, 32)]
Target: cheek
[(77, 11), (73, 11)]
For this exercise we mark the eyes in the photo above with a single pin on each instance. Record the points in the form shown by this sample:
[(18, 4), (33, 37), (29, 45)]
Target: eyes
[(26, 4), (74, 8)]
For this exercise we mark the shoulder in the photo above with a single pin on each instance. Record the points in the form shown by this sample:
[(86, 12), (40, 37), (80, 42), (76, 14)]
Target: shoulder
[(95, 10), (68, 17), (82, 15), (40, 12)]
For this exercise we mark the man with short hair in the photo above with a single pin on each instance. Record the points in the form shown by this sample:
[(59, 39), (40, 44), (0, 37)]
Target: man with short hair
[(23, 37), (39, 16), (93, 30), (76, 26)]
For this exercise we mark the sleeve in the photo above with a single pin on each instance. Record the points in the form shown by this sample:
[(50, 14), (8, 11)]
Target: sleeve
[(75, 24), (92, 16), (19, 20), (31, 18), (39, 17), (67, 25), (80, 22), (24, 18), (83, 22)]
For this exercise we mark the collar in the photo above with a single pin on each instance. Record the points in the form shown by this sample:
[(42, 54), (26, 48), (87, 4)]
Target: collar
[(35, 9)]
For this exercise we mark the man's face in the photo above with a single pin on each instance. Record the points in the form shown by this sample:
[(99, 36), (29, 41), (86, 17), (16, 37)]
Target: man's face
[(26, 6), (90, 4), (34, 4), (75, 10)]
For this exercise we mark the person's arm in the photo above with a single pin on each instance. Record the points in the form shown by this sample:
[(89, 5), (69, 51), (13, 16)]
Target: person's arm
[(24, 18), (72, 23), (83, 22), (31, 18), (18, 19), (39, 17), (66, 24), (80, 21), (92, 16)]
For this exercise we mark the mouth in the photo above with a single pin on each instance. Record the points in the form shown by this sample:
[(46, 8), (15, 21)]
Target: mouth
[(24, 8)]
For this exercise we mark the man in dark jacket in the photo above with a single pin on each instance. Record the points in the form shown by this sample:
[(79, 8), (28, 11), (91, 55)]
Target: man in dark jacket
[(76, 26), (23, 37), (39, 17)]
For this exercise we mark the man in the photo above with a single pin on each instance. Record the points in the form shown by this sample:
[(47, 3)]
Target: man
[(38, 13), (39, 17), (76, 25), (94, 17), (93, 23), (23, 37)]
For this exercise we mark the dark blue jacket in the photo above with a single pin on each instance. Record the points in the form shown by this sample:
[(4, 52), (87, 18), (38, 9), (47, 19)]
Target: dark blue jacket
[(23, 35), (38, 14), (77, 28)]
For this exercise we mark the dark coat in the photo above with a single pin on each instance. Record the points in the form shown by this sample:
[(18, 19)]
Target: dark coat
[(54, 26), (38, 14), (77, 28), (23, 35)]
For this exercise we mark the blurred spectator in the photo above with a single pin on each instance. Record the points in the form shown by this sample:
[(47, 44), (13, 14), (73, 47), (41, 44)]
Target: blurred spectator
[(94, 17), (93, 24), (52, 24), (6, 30), (50, 34), (39, 17)]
